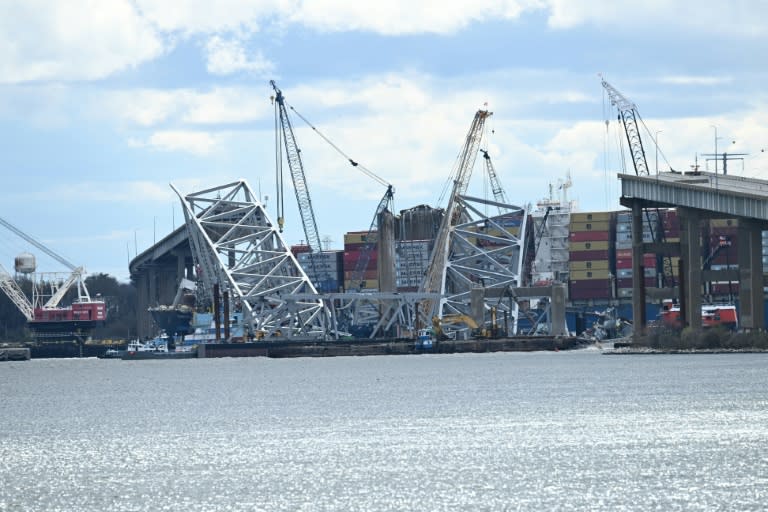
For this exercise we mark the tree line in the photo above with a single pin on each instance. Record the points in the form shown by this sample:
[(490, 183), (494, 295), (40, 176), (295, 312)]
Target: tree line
[(120, 299)]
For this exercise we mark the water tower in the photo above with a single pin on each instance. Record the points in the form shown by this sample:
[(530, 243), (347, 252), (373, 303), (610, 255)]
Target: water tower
[(25, 263)]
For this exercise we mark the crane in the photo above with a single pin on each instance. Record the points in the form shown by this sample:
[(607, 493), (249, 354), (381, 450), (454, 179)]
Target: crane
[(496, 188), (434, 279), (76, 273), (629, 116), (14, 292), (384, 203), (293, 156), (371, 239), (49, 319)]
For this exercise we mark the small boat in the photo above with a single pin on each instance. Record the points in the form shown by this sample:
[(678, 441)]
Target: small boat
[(112, 353), (157, 348)]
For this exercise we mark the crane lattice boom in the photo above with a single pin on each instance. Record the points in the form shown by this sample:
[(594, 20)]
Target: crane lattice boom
[(12, 290), (293, 155), (496, 188), (629, 116), (434, 280)]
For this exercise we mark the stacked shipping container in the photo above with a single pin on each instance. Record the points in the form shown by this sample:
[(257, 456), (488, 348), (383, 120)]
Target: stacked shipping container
[(355, 245), (411, 261), (624, 251), (722, 254), (323, 269), (591, 236)]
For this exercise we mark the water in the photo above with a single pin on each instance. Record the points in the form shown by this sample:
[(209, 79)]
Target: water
[(538, 431)]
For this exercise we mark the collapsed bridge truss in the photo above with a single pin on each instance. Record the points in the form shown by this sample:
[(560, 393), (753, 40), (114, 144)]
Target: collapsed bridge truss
[(237, 247)]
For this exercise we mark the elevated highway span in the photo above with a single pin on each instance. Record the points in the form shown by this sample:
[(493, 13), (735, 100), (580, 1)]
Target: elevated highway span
[(698, 196)]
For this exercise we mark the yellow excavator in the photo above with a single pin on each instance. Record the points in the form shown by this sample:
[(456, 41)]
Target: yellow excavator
[(455, 319)]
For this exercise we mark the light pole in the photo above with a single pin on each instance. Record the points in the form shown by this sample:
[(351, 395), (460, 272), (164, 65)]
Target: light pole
[(657, 149), (716, 137)]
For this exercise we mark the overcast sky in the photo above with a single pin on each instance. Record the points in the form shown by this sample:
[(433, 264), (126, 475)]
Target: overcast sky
[(103, 103)]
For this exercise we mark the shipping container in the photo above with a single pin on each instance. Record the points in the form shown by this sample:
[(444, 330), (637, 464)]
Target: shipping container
[(591, 289), (586, 275), (358, 237), (588, 255), (589, 236), (724, 288), (588, 265), (352, 257), (367, 275), (588, 246), (623, 273), (368, 285), (589, 226), (723, 223), (591, 216), (626, 282)]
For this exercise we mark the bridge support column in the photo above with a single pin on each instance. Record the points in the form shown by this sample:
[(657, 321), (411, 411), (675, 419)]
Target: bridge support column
[(690, 253), (639, 321), (751, 310)]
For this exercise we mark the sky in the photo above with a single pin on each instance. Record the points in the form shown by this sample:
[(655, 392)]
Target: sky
[(105, 103)]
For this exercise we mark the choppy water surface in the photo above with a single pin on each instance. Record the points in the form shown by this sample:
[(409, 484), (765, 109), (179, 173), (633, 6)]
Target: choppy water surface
[(541, 431)]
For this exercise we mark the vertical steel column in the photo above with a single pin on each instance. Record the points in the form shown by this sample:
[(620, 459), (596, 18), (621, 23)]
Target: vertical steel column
[(690, 253), (638, 272), (751, 311)]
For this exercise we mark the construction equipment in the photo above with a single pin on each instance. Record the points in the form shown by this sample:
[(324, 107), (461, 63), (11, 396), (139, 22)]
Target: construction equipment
[(293, 156), (496, 188), (629, 116), (434, 280), (46, 318), (371, 240), (459, 322)]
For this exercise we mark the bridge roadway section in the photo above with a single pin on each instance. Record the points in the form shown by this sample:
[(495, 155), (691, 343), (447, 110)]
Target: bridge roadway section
[(698, 196)]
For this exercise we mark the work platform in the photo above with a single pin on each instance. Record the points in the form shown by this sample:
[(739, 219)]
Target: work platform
[(698, 196)]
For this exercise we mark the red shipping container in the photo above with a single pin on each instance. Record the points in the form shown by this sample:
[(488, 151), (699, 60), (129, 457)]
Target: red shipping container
[(590, 284), (588, 255), (723, 289), (352, 257), (590, 236)]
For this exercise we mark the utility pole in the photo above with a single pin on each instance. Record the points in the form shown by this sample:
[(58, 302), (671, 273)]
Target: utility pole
[(725, 157)]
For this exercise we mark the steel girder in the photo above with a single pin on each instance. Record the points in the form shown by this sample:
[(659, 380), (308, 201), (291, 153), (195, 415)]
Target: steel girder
[(238, 247), (485, 252)]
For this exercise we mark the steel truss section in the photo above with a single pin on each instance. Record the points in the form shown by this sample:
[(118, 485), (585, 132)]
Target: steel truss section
[(487, 253), (381, 314), (238, 247)]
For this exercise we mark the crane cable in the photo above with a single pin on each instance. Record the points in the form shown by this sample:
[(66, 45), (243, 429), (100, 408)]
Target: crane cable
[(362, 168)]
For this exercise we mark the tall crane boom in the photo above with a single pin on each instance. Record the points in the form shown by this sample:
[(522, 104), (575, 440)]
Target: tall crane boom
[(371, 240), (628, 115), (434, 279), (293, 156), (38, 244), (496, 188), (12, 290)]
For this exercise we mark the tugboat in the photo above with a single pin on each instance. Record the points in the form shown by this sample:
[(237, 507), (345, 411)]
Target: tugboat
[(156, 348)]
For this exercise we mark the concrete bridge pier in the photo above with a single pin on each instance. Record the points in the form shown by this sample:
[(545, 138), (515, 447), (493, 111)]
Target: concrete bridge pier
[(690, 274), (751, 310)]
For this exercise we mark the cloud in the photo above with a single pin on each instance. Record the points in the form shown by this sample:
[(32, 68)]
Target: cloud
[(227, 56), (198, 143), (696, 80), (73, 40), (743, 18)]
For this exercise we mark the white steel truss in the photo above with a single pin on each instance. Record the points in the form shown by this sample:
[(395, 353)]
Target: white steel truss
[(483, 252), (238, 247)]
